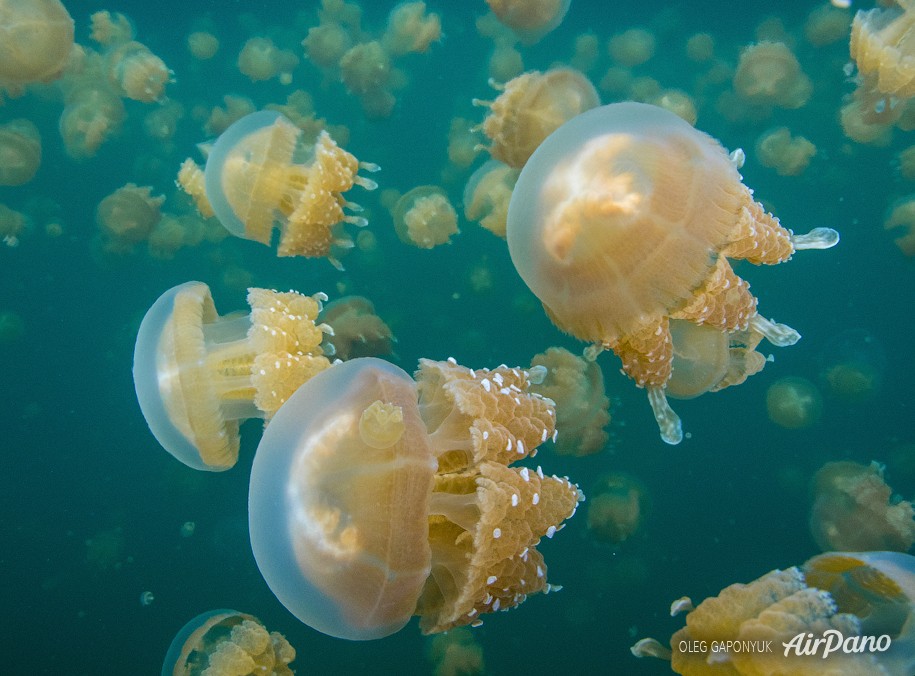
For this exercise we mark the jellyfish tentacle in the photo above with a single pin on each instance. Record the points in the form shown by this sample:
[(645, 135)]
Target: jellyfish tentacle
[(668, 421), (777, 334), (818, 238)]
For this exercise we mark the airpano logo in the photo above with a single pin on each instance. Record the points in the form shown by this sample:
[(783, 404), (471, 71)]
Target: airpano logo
[(833, 641)]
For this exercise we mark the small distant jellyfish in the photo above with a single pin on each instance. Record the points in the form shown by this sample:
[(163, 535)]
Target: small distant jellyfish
[(487, 195), (108, 29), (625, 218), (146, 598), (530, 19), (36, 44), (187, 529), (531, 107), (854, 510), (254, 184), (224, 642), (357, 330), (89, 119), (20, 152), (456, 653), (616, 508), (198, 375), (375, 497), (202, 45), (632, 47), (769, 73), (12, 224), (411, 30), (138, 73), (788, 155), (424, 217), (853, 364), (794, 403), (127, 216), (582, 406), (828, 24), (837, 598), (901, 220), (260, 59)]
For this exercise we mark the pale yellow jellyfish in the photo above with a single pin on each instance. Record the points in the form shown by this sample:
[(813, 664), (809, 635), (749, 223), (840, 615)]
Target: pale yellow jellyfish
[(794, 403), (505, 63), (853, 364), (108, 29), (198, 375), (616, 508), (227, 643), (901, 220), (905, 160), (487, 195), (20, 152), (137, 73), (36, 37), (202, 45), (89, 119), (260, 59), (12, 223), (825, 617), (411, 29), (456, 653), (357, 330), (582, 406), (632, 47), (463, 142), (161, 123), (854, 510), (625, 218), (768, 73), (254, 184), (356, 527), (883, 48), (586, 52), (366, 71), (531, 107), (788, 155), (678, 102), (700, 48), (127, 216), (326, 44), (530, 19), (827, 24), (424, 217)]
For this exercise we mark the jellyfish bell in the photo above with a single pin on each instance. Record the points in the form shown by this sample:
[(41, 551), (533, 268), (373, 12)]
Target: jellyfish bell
[(623, 219), (699, 361), (852, 365), (530, 19), (37, 39), (197, 374), (227, 641), (374, 497), (794, 403)]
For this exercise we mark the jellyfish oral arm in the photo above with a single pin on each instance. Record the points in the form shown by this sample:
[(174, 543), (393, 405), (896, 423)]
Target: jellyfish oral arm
[(668, 421), (818, 238)]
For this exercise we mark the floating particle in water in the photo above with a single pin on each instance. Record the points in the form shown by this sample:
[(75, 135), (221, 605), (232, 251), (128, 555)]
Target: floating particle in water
[(146, 598), (187, 529)]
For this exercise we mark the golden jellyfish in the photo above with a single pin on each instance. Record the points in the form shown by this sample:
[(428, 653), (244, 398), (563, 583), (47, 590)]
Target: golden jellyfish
[(36, 37), (254, 184), (202, 45), (108, 29), (530, 19), (883, 49), (374, 497), (198, 375), (632, 47), (90, 117), (768, 73), (901, 220), (678, 102), (127, 216), (12, 223), (424, 217), (582, 406), (326, 44), (137, 73), (505, 63), (456, 653), (586, 52), (625, 218), (794, 403), (357, 330), (462, 142), (223, 642), (20, 152), (260, 59), (221, 118), (531, 107), (788, 155), (410, 29), (487, 195), (616, 508), (700, 48), (854, 510), (839, 613), (905, 161), (827, 24), (853, 365)]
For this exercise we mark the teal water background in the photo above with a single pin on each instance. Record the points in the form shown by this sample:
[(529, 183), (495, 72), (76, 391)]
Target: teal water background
[(92, 506)]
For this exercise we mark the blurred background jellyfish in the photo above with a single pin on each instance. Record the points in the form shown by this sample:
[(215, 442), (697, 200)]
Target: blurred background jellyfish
[(253, 185), (20, 152), (357, 330), (530, 20), (625, 218), (788, 155), (197, 375), (532, 106), (487, 196), (794, 403), (859, 595), (855, 510), (901, 221), (582, 406), (769, 74), (456, 653), (260, 59), (223, 642), (617, 505), (37, 39), (852, 366), (375, 497), (127, 216), (424, 217)]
